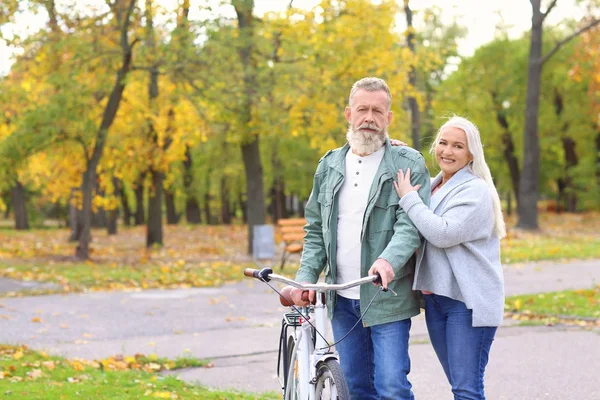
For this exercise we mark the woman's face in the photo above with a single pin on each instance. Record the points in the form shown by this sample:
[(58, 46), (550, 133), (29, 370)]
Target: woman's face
[(451, 151)]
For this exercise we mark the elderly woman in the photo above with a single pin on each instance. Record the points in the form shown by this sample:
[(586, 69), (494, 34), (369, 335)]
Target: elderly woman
[(458, 265)]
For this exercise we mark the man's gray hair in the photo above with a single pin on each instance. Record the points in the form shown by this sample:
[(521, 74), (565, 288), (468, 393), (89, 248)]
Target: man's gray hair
[(371, 84)]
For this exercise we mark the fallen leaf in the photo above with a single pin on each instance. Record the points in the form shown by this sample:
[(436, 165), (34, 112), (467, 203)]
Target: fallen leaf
[(49, 364), (34, 374)]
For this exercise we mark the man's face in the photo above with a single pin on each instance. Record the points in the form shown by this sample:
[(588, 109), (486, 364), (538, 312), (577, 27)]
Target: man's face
[(369, 111), (369, 118)]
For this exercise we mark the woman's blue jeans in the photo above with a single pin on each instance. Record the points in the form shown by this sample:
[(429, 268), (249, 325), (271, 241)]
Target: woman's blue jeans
[(374, 359), (462, 349)]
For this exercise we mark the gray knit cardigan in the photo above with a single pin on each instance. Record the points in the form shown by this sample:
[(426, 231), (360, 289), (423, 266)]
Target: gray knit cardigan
[(460, 257)]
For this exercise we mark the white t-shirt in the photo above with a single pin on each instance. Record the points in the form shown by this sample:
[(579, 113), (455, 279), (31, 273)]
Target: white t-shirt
[(353, 199)]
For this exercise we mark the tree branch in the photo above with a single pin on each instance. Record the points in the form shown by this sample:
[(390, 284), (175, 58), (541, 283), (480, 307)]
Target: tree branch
[(79, 139), (569, 38), (550, 7), (125, 29)]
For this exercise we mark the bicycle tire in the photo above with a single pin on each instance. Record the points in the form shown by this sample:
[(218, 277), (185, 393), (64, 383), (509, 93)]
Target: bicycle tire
[(331, 383), (291, 388)]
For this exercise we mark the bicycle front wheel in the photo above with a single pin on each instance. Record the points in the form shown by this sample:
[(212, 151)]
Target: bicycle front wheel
[(330, 381), (292, 385)]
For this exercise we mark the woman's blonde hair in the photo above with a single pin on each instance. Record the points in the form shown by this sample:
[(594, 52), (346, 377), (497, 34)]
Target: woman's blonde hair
[(478, 165)]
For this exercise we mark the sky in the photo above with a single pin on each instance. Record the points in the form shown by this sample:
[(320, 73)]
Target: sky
[(479, 16)]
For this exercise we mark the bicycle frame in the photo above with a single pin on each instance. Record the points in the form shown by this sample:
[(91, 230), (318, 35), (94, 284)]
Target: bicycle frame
[(309, 354)]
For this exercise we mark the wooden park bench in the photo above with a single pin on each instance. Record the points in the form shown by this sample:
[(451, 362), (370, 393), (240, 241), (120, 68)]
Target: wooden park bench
[(292, 235)]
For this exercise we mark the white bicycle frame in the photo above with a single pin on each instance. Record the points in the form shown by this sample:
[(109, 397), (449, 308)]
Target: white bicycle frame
[(309, 356)]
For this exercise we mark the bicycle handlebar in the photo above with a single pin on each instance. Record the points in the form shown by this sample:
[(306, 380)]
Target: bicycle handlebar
[(266, 274)]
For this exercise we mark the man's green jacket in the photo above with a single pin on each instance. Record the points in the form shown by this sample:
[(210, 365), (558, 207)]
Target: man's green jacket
[(386, 232)]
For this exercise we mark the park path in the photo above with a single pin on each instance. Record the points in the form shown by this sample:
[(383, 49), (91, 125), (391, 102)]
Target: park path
[(237, 327)]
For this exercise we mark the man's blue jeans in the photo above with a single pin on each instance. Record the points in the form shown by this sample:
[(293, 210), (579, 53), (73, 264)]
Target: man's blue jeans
[(375, 359), (462, 349)]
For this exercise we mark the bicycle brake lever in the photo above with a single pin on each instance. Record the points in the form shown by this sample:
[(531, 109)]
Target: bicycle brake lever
[(263, 274), (378, 281)]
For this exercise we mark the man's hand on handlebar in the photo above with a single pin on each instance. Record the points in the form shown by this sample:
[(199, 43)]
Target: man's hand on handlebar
[(302, 297), (297, 297), (382, 267)]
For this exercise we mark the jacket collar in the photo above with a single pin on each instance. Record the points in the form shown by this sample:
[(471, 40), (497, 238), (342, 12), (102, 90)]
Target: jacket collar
[(338, 161), (461, 177)]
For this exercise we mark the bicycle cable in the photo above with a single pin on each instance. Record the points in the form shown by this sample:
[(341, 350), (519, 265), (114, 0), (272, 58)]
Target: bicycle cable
[(329, 346), (297, 310)]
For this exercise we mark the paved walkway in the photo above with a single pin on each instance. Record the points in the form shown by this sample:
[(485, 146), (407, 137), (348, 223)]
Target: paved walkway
[(237, 327)]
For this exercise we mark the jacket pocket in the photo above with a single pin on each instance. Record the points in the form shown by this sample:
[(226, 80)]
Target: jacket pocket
[(325, 201), (383, 215)]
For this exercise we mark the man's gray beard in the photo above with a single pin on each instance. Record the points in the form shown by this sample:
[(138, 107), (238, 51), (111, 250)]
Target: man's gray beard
[(364, 142)]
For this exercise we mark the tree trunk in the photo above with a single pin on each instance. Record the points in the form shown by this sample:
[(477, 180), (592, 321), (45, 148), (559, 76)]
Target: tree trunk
[(560, 197), (75, 216), (82, 251), (250, 148), (172, 216), (154, 232), (289, 204), (208, 217), (192, 211), (127, 215), (99, 218), (18, 199), (412, 80), (508, 203), (513, 164), (112, 106), (140, 215), (225, 208), (508, 149), (571, 160), (113, 214), (192, 208), (529, 183), (154, 229), (301, 208), (244, 208), (568, 192), (598, 157), (278, 208), (255, 198)]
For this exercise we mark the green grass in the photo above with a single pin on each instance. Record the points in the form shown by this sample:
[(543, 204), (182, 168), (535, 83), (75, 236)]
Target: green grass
[(573, 303), (32, 375), (537, 248), (77, 277)]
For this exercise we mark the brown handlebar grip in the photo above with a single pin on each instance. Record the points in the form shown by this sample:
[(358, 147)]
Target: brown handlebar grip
[(286, 296), (251, 272)]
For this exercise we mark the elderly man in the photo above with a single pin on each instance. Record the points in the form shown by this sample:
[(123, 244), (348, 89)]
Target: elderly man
[(355, 228)]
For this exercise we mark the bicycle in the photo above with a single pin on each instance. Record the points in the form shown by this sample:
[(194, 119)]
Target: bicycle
[(310, 367)]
